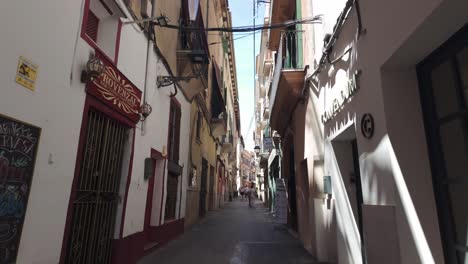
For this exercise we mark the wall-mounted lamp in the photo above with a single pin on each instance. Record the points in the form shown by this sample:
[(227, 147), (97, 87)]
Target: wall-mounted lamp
[(145, 111), (162, 20), (94, 68), (163, 81)]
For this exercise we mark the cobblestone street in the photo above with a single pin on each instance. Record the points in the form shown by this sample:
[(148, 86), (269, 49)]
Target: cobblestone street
[(235, 234)]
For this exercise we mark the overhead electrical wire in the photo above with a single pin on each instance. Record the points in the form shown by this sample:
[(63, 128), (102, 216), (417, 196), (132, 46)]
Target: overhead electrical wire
[(219, 42), (312, 20)]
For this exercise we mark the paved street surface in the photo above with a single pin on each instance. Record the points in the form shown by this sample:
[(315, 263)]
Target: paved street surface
[(236, 234)]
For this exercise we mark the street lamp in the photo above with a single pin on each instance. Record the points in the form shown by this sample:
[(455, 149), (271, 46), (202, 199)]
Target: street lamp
[(162, 21), (94, 68), (145, 111)]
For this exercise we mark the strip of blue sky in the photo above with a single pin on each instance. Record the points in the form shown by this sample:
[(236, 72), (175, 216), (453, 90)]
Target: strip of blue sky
[(242, 15)]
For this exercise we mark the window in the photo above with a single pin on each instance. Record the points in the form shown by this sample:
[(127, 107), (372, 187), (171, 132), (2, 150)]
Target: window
[(92, 24), (174, 131), (444, 85), (193, 177), (199, 124), (100, 26)]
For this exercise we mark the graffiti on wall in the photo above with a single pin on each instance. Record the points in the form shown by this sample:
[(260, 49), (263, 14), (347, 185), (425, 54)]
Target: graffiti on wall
[(18, 147)]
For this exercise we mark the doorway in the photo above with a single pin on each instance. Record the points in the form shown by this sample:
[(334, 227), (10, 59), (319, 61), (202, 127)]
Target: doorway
[(212, 188), (359, 197), (347, 156), (96, 194), (152, 213), (292, 190), (203, 188)]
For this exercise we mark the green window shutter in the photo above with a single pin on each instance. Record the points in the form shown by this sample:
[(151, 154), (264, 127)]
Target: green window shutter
[(299, 35)]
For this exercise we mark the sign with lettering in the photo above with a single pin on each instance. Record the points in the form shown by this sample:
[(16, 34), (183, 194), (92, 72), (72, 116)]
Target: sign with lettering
[(26, 73), (115, 90), (267, 144), (18, 148), (338, 103)]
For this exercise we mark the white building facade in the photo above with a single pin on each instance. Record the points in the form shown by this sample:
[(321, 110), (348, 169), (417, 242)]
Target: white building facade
[(377, 133), (90, 159)]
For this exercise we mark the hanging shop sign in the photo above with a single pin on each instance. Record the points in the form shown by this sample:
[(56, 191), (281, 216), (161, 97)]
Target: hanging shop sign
[(26, 73), (367, 126), (267, 144), (115, 90), (18, 148), (342, 99)]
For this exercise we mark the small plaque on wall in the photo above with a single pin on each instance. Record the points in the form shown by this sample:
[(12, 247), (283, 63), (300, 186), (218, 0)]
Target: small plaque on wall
[(26, 73)]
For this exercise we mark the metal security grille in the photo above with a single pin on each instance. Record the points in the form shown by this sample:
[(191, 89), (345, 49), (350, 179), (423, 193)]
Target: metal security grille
[(97, 192)]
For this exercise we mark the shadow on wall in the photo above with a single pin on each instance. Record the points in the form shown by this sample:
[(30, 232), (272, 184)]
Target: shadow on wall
[(382, 181), (386, 164), (348, 238)]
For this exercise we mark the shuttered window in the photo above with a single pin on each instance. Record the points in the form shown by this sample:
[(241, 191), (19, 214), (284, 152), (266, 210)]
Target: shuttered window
[(171, 200), (92, 24), (174, 131)]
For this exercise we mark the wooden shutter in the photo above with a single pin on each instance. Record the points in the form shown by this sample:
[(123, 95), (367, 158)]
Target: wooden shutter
[(174, 131), (92, 24), (171, 199)]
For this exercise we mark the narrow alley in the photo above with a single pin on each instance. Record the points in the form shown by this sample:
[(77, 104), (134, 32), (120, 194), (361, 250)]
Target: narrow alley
[(235, 234), (129, 130)]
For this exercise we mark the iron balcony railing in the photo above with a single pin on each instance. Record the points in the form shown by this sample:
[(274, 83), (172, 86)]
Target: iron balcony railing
[(292, 43), (266, 108), (288, 56), (194, 45)]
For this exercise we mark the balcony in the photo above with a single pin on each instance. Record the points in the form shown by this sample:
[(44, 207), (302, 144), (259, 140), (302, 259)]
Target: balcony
[(218, 122), (192, 59), (232, 157), (288, 79), (266, 109), (227, 143)]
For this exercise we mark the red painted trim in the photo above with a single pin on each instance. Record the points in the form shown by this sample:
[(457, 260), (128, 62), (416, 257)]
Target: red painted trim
[(165, 233), (88, 39), (128, 250), (90, 103), (129, 177), (173, 99), (117, 42), (162, 193), (164, 176), (131, 248), (79, 158), (149, 200), (156, 155)]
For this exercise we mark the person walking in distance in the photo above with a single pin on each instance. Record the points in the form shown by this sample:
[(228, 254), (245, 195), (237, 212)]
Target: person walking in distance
[(250, 194), (242, 192)]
